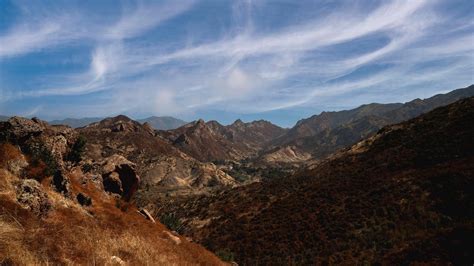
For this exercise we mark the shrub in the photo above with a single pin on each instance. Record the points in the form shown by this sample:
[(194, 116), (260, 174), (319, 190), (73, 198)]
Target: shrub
[(86, 168), (171, 222), (77, 150), (225, 255), (42, 160)]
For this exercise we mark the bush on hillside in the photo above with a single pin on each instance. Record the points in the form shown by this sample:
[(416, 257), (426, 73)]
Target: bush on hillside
[(42, 161), (171, 222), (77, 150)]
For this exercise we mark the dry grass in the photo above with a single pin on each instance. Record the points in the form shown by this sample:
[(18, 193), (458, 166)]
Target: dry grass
[(11, 242), (8, 152), (71, 234)]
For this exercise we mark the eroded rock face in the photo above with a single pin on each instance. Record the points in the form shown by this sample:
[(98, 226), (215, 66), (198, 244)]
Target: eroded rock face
[(120, 176), (32, 197)]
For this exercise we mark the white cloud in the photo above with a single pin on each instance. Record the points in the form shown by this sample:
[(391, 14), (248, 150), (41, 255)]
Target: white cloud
[(276, 69), (25, 39)]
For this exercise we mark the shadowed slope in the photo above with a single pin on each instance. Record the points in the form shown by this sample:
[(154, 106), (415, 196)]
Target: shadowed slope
[(400, 196)]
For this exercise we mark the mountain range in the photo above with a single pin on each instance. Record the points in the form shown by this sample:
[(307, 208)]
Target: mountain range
[(157, 122), (320, 135), (211, 141), (402, 195), (312, 138)]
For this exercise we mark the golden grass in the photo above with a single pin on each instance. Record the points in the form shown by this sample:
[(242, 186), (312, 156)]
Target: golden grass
[(8, 152), (71, 234)]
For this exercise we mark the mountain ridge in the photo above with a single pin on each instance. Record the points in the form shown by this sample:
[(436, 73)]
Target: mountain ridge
[(323, 134), (400, 195), (212, 141), (157, 122)]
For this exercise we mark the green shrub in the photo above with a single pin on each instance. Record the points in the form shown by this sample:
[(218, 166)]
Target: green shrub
[(225, 255), (42, 156), (171, 222), (77, 150)]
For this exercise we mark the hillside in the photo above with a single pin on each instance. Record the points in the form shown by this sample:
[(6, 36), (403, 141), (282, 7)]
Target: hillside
[(54, 210), (211, 141), (163, 168), (323, 134), (402, 195)]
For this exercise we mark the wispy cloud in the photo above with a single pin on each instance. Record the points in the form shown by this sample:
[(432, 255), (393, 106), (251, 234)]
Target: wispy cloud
[(247, 67)]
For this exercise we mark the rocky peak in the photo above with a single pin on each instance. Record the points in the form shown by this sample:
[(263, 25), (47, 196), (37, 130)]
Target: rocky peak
[(123, 118), (121, 123), (238, 122)]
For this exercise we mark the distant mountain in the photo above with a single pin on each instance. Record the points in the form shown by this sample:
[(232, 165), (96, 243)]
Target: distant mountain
[(323, 134), (76, 122), (402, 196), (163, 122), (3, 118), (211, 141)]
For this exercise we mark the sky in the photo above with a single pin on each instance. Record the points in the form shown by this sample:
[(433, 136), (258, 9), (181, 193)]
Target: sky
[(279, 60)]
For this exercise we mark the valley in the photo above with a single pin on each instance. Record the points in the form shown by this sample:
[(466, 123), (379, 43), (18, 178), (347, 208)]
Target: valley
[(382, 183)]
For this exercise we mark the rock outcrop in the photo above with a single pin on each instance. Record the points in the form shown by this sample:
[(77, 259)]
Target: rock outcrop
[(31, 196), (120, 176), (159, 164)]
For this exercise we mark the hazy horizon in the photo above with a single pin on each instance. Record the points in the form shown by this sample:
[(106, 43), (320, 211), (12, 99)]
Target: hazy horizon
[(226, 122)]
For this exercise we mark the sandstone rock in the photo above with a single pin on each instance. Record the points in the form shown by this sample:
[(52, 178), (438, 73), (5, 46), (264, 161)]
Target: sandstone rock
[(114, 260), (31, 196), (176, 240), (119, 176), (147, 215)]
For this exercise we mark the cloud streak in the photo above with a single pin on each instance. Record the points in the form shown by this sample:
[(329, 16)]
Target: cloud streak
[(143, 55)]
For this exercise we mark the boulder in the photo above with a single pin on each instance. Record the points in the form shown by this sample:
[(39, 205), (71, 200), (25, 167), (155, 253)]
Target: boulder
[(114, 260), (119, 176), (31, 196), (176, 240)]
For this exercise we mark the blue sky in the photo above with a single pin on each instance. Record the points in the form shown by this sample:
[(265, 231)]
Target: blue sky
[(277, 60)]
